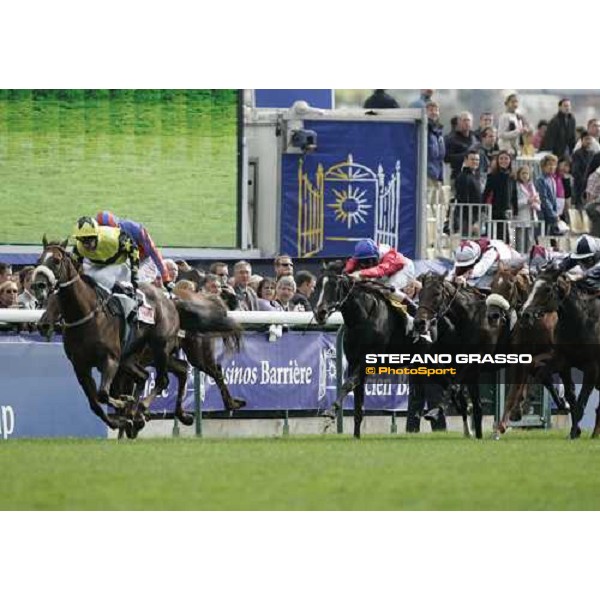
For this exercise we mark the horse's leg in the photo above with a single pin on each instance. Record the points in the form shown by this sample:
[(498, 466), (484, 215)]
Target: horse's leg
[(359, 398), (577, 412), (179, 368), (108, 373), (161, 361), (209, 365), (477, 410), (516, 391), (457, 398), (596, 431), (347, 387), (84, 376)]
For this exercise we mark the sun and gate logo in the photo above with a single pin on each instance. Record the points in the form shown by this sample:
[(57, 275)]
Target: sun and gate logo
[(345, 203)]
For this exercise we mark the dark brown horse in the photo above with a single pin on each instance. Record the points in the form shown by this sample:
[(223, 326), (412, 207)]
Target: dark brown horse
[(92, 335), (209, 321), (514, 285)]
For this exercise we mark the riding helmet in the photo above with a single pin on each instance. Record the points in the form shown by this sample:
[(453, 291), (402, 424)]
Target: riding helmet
[(86, 227), (586, 247), (366, 249), (467, 254)]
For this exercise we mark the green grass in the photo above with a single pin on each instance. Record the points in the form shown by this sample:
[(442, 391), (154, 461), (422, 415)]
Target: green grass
[(166, 158), (524, 471)]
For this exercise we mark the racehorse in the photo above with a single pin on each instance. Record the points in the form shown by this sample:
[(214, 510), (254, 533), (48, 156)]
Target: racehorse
[(199, 347), (513, 286), (92, 336), (576, 334), (457, 317), (371, 325)]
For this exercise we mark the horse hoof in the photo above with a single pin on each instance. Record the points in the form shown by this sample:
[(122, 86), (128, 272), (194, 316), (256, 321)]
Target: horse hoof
[(496, 436), (186, 419), (130, 430), (236, 404)]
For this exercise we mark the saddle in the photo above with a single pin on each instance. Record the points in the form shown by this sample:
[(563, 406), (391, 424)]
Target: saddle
[(387, 293)]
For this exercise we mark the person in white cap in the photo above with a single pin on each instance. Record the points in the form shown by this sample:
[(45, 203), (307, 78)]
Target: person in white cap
[(475, 258)]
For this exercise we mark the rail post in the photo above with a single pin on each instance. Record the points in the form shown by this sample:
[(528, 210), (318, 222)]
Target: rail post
[(339, 375), (197, 403)]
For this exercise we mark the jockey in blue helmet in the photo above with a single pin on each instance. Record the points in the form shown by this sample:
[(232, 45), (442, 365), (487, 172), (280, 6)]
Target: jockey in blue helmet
[(382, 262)]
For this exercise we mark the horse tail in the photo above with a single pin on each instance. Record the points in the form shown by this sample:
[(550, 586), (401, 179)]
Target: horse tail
[(210, 319)]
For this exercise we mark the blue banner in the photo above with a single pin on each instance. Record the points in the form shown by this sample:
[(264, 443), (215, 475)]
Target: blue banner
[(42, 398), (297, 372), (285, 98), (361, 182), (40, 394)]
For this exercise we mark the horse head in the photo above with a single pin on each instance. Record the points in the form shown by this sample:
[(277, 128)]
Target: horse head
[(57, 260), (431, 303), (509, 290), (333, 287), (546, 294)]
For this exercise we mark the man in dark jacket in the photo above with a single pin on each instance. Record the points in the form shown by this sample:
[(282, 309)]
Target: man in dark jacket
[(379, 99), (436, 149), (561, 137), (305, 286), (579, 165), (468, 191), (459, 142)]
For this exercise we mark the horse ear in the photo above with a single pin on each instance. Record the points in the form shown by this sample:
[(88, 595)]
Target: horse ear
[(65, 243), (44, 241)]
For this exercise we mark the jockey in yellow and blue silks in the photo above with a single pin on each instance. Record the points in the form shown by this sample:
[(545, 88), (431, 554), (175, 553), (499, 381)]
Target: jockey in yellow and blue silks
[(149, 254), (107, 250)]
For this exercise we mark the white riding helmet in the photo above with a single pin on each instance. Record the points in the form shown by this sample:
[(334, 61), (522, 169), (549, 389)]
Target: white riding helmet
[(467, 254), (586, 247)]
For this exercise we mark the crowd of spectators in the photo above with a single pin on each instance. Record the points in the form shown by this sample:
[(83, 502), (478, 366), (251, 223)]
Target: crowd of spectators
[(484, 166)]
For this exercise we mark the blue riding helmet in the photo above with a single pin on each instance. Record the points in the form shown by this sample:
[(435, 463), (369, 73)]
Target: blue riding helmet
[(366, 249)]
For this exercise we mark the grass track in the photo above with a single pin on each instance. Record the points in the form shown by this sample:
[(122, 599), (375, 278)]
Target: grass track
[(524, 471)]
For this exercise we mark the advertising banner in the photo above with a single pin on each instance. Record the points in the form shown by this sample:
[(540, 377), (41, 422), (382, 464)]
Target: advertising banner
[(360, 182)]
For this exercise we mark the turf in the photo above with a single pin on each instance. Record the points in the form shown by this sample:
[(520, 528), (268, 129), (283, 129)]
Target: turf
[(165, 158), (524, 471)]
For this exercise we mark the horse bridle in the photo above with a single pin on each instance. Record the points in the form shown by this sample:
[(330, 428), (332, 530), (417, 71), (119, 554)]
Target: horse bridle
[(337, 305), (443, 310), (62, 285)]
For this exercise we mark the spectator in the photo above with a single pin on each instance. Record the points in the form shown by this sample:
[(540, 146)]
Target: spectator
[(5, 272), (266, 295), (436, 148), (254, 281), (528, 148), (501, 192), (422, 100), (8, 294), (538, 136), (560, 137), (283, 266), (196, 276), (487, 152), (486, 119), (592, 190), (183, 266), (379, 99), (247, 298), (212, 284), (172, 268), (564, 187), (582, 158), (26, 298), (546, 187), (511, 126), (305, 286), (459, 142), (183, 287), (284, 292), (221, 270), (528, 201), (468, 191), (593, 130)]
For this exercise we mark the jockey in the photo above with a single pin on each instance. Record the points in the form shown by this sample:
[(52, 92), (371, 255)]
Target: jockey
[(104, 252), (475, 258), (383, 263), (587, 258), (151, 260)]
